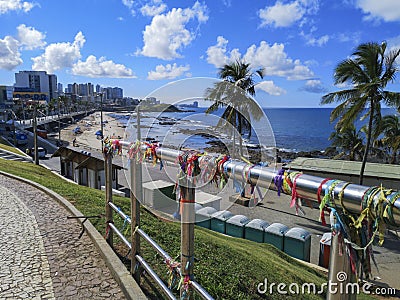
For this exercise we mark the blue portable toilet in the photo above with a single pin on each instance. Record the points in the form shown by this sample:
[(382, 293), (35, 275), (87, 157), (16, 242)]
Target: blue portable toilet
[(254, 230), (274, 235), (203, 216), (298, 243), (218, 220), (235, 226)]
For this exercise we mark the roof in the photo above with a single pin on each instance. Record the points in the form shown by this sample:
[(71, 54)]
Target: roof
[(85, 159), (345, 167)]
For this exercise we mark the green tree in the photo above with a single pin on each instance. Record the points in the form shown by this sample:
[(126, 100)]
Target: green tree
[(349, 141), (233, 94), (368, 71), (390, 128)]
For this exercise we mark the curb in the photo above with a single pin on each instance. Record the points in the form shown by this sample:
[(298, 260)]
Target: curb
[(118, 270)]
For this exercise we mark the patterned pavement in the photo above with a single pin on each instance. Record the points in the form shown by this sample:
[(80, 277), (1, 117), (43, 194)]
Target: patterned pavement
[(41, 256)]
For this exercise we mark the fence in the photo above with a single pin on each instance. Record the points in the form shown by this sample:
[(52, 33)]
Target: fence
[(385, 204)]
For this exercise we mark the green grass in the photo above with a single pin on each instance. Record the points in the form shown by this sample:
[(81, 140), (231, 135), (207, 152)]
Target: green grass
[(6, 146), (228, 268)]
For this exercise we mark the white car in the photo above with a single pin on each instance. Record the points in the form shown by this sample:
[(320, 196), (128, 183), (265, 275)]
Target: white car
[(41, 152)]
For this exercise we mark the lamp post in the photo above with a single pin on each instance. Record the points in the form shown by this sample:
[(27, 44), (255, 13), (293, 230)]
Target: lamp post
[(101, 119)]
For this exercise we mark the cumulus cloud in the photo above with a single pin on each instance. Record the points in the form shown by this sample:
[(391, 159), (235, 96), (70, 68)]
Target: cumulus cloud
[(167, 33), (272, 58), (269, 87), (10, 57), (59, 55), (15, 5), (275, 61), (285, 15), (30, 38), (101, 67), (154, 8), (387, 10), (167, 72), (217, 54), (314, 86)]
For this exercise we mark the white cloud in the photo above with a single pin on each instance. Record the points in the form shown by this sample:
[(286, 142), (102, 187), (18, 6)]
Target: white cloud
[(129, 4), (285, 15), (388, 10), (17, 5), (217, 54), (313, 41), (276, 62), (10, 57), (314, 86), (167, 33), (167, 72), (152, 10), (101, 68), (270, 88), (59, 55), (30, 38), (273, 59)]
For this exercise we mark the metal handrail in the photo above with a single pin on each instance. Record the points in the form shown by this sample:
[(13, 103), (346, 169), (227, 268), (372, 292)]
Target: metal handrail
[(196, 286), (144, 264), (307, 186)]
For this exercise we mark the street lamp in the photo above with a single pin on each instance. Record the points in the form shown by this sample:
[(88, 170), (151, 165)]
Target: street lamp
[(101, 120)]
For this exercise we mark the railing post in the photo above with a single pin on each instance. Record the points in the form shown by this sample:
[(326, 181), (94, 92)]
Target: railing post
[(108, 187), (340, 276), (136, 196), (187, 236)]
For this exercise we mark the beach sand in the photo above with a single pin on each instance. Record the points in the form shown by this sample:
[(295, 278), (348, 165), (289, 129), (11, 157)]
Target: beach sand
[(87, 139)]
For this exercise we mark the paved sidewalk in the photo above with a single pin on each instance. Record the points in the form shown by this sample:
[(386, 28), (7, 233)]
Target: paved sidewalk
[(41, 256)]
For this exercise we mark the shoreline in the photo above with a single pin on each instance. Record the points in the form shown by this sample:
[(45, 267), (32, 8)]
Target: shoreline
[(113, 128)]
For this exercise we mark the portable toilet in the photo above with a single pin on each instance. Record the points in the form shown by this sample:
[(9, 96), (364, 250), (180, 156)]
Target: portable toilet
[(197, 206), (274, 234), (218, 220), (203, 216), (254, 230), (235, 226), (325, 249), (298, 243)]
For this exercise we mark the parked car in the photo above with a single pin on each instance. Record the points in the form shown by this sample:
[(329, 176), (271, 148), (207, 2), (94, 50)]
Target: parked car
[(20, 137), (41, 152), (42, 133)]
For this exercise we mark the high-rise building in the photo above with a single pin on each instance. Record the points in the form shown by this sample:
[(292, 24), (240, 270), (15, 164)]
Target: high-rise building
[(6, 101), (60, 88), (37, 82)]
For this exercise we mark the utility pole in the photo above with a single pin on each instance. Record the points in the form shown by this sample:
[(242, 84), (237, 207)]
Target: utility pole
[(15, 136), (35, 142), (101, 120), (59, 122)]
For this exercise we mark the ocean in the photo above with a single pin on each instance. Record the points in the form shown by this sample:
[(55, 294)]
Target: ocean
[(292, 129)]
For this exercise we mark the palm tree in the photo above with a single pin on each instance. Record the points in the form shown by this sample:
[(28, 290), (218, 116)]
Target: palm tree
[(349, 141), (369, 70), (233, 93), (390, 128)]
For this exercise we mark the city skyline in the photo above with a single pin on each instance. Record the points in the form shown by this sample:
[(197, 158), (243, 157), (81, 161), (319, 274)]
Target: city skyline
[(141, 46)]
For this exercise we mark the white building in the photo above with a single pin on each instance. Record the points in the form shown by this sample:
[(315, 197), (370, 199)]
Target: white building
[(37, 82)]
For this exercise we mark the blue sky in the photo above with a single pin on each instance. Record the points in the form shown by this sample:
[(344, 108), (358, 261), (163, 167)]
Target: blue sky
[(143, 45)]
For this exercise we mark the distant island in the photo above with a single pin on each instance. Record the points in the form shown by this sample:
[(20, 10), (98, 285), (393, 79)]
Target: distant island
[(159, 108)]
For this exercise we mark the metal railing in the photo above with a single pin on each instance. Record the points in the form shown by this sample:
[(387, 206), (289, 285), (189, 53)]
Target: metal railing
[(196, 286)]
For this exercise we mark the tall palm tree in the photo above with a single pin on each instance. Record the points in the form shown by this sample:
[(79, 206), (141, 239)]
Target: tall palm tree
[(390, 128), (369, 70), (349, 141), (232, 93)]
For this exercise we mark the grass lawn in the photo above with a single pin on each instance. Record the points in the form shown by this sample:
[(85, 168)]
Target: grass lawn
[(228, 268), (6, 146)]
